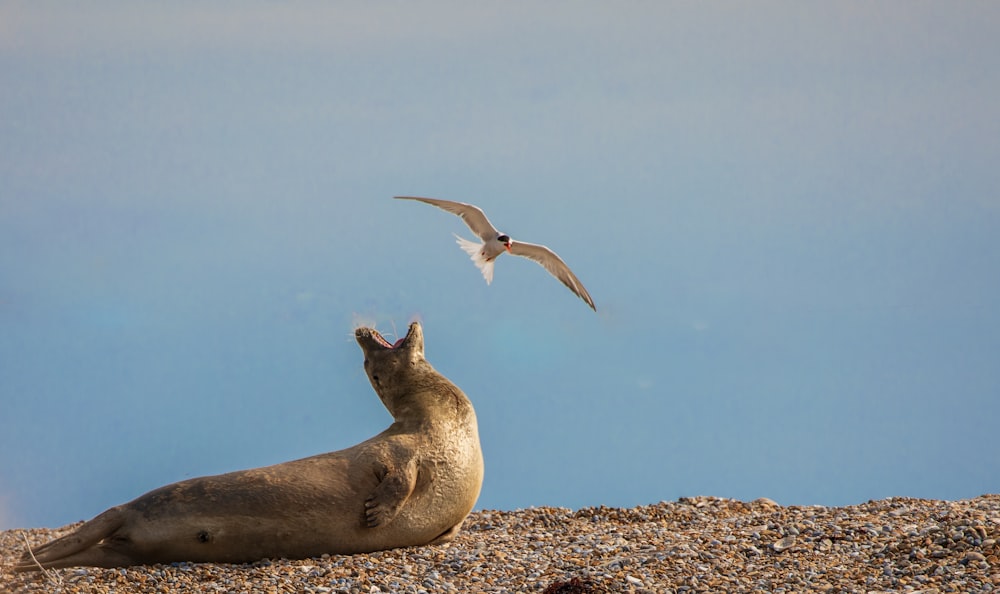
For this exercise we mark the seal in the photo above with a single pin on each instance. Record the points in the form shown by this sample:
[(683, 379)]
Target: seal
[(412, 484)]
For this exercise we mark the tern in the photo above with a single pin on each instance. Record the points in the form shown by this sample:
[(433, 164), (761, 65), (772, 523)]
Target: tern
[(495, 243)]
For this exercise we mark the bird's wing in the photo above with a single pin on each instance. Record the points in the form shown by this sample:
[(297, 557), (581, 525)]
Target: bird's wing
[(473, 216), (554, 264)]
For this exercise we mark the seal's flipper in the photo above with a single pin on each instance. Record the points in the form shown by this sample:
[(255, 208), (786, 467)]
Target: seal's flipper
[(81, 547), (387, 499)]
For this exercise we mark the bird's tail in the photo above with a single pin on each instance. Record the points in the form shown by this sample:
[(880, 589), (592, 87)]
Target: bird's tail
[(475, 251)]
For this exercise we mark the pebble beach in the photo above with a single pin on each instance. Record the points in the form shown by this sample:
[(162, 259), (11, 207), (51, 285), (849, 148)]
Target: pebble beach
[(697, 544)]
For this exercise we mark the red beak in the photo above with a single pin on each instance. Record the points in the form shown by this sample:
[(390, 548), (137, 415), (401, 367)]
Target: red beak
[(507, 246)]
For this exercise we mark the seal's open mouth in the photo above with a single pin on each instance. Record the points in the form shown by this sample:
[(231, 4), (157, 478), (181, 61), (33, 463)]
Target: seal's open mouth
[(373, 333), (371, 341), (386, 342)]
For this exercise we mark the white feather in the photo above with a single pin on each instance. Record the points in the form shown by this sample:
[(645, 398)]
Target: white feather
[(475, 251)]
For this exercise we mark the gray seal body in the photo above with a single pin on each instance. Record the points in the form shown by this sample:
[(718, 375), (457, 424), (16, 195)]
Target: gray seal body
[(412, 484)]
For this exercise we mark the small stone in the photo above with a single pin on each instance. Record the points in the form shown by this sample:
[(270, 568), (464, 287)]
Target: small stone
[(784, 543)]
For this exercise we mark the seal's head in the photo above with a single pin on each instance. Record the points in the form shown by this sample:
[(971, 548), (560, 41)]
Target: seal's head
[(373, 342), (390, 367)]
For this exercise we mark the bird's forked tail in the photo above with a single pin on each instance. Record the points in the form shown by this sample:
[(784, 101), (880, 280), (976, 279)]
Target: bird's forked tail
[(475, 251)]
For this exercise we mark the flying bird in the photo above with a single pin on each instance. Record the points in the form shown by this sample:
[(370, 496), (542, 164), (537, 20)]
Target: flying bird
[(495, 243)]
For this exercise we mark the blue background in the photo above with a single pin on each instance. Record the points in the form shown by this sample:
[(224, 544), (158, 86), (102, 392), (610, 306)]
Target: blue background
[(788, 215)]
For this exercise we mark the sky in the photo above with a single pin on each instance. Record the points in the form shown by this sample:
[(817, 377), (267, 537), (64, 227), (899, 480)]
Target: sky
[(788, 215)]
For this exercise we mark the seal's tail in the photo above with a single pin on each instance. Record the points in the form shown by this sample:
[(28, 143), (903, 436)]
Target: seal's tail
[(82, 547)]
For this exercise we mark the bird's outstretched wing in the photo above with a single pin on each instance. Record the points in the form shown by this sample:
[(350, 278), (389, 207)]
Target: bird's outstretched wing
[(554, 264), (472, 215)]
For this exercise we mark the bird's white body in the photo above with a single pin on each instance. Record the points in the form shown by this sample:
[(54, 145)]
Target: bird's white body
[(494, 243)]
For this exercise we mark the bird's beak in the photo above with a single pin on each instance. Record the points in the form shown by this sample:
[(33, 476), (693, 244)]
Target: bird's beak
[(507, 246)]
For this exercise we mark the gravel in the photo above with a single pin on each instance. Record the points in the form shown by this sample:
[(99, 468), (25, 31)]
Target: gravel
[(696, 544)]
